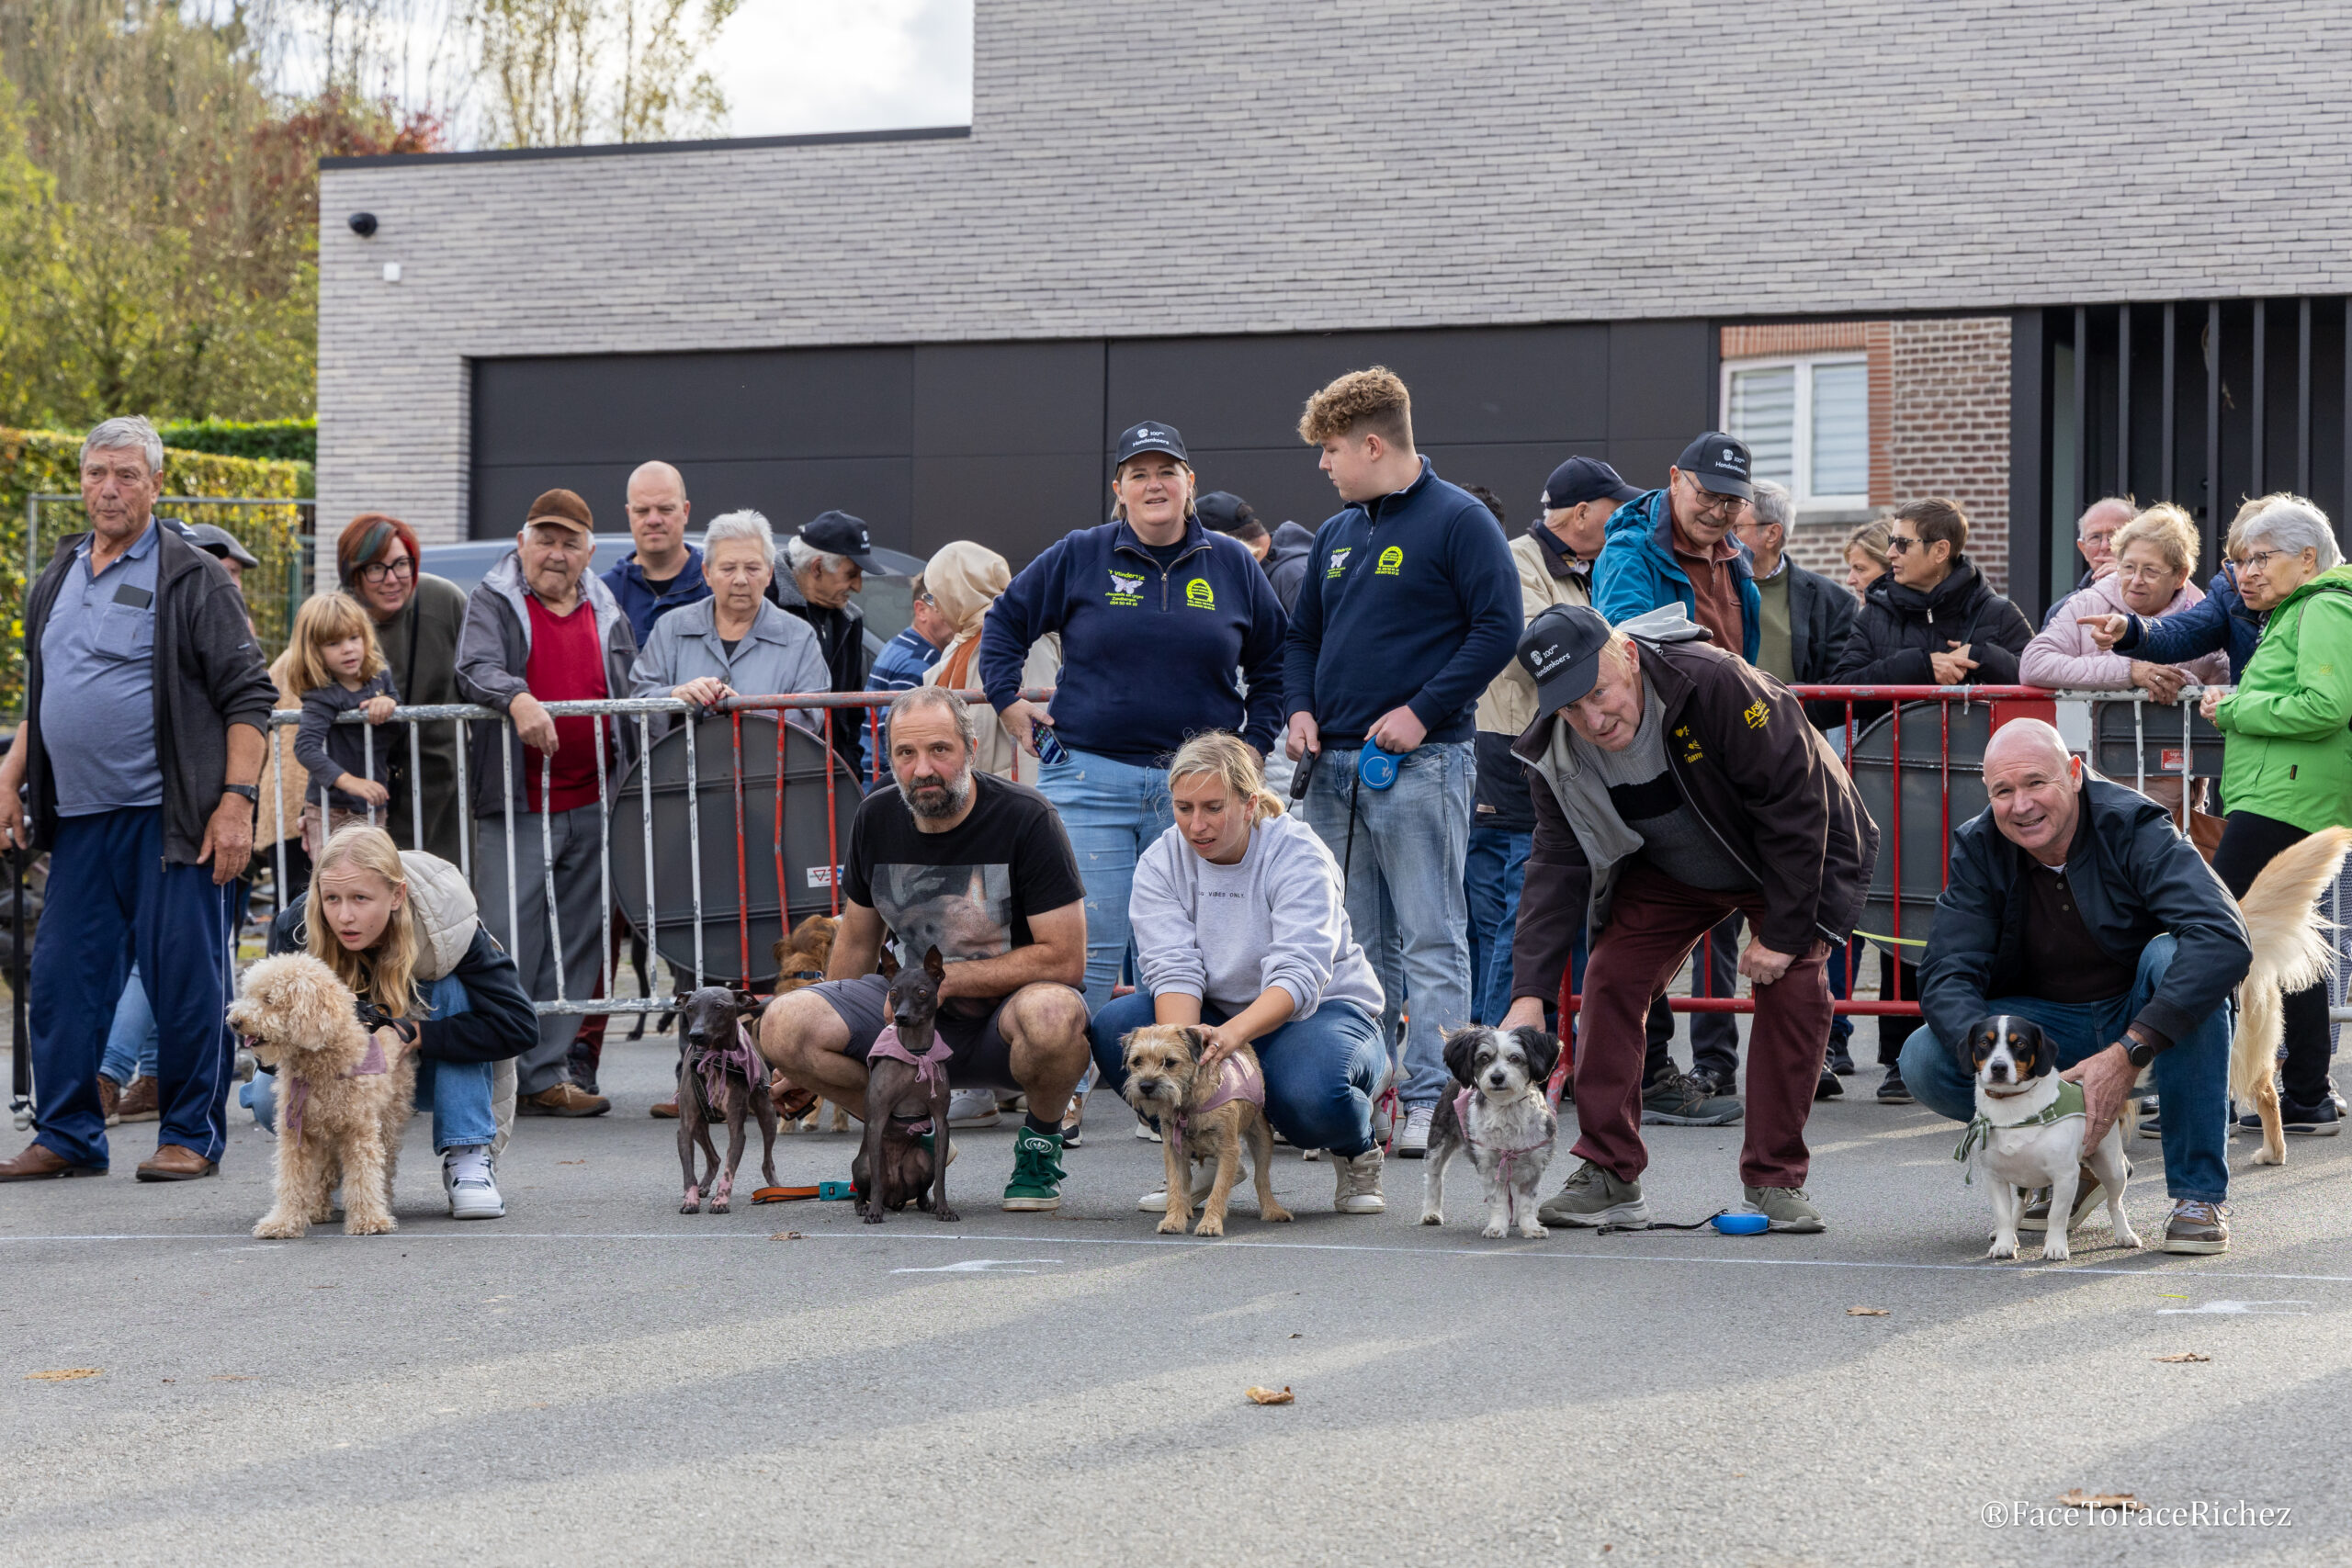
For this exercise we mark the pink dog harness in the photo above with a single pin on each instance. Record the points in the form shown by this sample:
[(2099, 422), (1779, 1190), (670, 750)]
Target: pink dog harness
[(298, 1094), (929, 1067), (1236, 1079)]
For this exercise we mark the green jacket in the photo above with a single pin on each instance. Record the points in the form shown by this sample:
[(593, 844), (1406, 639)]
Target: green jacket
[(2290, 751)]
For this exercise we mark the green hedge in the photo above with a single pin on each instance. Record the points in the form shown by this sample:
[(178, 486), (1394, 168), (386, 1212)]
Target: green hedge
[(48, 462), (274, 440)]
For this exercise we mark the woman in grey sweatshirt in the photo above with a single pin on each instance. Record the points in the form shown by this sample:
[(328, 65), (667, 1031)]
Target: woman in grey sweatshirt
[(1240, 925)]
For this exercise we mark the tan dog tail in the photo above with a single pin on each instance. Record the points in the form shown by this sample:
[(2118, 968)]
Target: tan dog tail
[(2291, 950)]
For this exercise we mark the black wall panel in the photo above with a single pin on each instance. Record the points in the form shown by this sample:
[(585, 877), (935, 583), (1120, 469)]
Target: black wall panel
[(1009, 444)]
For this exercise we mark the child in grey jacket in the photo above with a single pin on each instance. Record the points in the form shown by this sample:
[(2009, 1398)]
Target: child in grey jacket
[(337, 667)]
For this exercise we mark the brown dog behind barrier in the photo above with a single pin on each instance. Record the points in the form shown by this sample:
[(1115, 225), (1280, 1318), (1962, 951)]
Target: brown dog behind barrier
[(892, 1167), (801, 961), (1202, 1117), (720, 1073)]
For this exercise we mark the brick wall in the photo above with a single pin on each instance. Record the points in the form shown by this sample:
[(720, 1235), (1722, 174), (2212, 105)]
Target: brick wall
[(1940, 422), (1384, 164), (1948, 432)]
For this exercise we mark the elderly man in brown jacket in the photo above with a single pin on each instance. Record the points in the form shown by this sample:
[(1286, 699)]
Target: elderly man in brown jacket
[(1675, 784)]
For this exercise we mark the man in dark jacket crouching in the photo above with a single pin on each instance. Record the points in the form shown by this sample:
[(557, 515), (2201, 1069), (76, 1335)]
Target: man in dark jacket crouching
[(1675, 784), (2074, 902)]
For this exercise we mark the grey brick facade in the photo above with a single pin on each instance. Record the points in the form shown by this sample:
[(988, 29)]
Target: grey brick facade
[(1231, 167)]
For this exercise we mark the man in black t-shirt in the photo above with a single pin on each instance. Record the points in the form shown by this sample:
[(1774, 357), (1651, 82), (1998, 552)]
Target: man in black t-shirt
[(980, 868)]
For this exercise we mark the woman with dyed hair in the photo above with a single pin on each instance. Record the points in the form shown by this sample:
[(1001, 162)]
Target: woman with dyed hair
[(417, 617)]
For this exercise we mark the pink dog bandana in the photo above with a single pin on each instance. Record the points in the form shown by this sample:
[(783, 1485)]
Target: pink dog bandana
[(298, 1094), (929, 1067), (742, 1056)]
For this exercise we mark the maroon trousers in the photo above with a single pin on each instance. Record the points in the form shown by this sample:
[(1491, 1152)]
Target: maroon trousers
[(1654, 922)]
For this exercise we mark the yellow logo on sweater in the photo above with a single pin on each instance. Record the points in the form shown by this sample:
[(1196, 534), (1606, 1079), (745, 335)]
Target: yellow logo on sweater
[(1339, 561), (1690, 752), (1756, 713), (1391, 561), (1199, 595)]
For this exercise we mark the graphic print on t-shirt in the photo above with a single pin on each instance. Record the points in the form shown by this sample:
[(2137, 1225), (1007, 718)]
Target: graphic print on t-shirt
[(965, 910)]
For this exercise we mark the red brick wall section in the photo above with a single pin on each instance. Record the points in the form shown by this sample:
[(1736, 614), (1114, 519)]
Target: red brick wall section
[(1940, 422), (1947, 432)]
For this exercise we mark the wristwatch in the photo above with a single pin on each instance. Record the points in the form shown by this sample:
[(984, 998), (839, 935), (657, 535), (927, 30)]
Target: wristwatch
[(251, 792), (2138, 1052)]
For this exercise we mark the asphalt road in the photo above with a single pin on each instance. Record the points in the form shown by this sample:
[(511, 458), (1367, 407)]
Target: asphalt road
[(598, 1379)]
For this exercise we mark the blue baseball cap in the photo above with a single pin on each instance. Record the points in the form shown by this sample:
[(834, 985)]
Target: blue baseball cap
[(1149, 436), (1580, 480)]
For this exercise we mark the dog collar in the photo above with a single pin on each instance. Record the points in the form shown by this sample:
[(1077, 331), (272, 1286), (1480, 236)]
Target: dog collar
[(2065, 1108), (298, 1093)]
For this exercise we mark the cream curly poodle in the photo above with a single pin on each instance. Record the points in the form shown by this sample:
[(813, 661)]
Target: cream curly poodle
[(344, 1097)]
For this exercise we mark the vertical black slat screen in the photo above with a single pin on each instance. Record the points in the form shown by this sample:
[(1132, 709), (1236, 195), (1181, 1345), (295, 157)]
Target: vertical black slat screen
[(2082, 417), (2212, 434), (2261, 412), (2123, 401), (2171, 475), (2304, 397)]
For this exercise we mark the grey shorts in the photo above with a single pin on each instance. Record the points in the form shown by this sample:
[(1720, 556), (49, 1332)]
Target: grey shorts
[(979, 1056)]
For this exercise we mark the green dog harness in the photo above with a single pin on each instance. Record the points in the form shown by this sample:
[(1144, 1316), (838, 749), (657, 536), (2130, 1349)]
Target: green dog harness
[(2068, 1106)]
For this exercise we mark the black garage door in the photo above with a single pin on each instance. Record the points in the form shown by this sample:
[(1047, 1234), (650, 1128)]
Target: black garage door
[(1008, 444)]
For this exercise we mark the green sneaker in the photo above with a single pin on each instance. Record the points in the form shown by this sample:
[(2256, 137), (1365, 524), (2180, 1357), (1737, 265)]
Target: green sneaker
[(1595, 1197), (1787, 1208), (1037, 1172)]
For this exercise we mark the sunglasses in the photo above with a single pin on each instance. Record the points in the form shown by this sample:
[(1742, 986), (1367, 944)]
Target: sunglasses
[(1897, 545)]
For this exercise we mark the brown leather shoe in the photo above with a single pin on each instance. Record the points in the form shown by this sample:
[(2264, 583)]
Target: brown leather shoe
[(565, 1098), (665, 1108), (177, 1162), (138, 1101), (39, 1162), (110, 1096)]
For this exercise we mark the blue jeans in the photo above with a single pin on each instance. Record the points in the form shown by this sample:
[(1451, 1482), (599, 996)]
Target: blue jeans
[(1113, 811), (1321, 1070), (1841, 1026), (1403, 864), (131, 1043), (2192, 1078), (1495, 865), (112, 902), (456, 1093)]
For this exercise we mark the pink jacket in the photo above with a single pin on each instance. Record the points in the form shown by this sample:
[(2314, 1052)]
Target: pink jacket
[(2062, 655)]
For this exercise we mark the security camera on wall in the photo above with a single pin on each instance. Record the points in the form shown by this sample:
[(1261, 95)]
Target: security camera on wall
[(363, 224)]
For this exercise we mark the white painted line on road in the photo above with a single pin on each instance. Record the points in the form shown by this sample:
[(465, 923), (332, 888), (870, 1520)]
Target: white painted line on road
[(980, 1266), (2154, 1272)]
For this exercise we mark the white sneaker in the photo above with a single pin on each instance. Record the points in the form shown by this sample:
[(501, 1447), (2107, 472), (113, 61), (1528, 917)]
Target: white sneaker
[(972, 1108), (1414, 1142), (1359, 1191), (1156, 1200), (471, 1180), (1145, 1132)]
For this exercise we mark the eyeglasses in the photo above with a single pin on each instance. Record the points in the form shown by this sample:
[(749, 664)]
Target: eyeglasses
[(2259, 560), (377, 571), (1713, 505), (926, 599), (1898, 545)]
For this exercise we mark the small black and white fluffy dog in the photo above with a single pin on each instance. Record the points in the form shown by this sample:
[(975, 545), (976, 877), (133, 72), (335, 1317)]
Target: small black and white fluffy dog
[(2029, 1133), (1499, 1114)]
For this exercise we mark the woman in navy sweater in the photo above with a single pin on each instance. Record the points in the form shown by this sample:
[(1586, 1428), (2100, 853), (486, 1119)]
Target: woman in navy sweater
[(1167, 631)]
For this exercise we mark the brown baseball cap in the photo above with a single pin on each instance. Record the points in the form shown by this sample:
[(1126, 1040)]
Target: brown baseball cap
[(561, 506)]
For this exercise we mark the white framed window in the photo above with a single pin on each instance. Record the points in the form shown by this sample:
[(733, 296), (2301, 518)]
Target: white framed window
[(1806, 421)]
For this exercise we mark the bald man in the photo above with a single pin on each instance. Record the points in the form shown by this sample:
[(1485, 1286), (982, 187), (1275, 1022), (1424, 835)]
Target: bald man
[(664, 572), (2074, 902)]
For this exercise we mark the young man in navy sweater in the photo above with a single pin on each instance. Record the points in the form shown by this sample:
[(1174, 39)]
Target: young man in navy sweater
[(1410, 607)]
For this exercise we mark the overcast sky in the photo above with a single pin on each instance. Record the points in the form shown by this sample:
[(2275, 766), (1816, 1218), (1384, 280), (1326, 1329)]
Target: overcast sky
[(794, 66)]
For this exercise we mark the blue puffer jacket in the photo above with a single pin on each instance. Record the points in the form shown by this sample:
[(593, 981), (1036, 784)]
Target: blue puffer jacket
[(1636, 572), (2220, 620)]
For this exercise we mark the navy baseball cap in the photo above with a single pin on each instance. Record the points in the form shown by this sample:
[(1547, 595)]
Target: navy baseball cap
[(1580, 480), (1561, 651), (1149, 436), (839, 534), (1719, 462)]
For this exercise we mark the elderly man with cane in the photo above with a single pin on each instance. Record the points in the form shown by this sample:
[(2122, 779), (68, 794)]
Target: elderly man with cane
[(1675, 784)]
